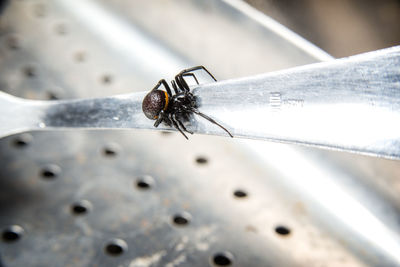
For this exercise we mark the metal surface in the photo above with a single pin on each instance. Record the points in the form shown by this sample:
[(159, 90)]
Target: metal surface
[(77, 198), (350, 104)]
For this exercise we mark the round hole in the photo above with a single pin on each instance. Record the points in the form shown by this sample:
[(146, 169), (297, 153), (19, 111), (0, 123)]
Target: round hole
[(80, 56), (111, 150), (223, 259), (40, 10), (282, 230), (116, 247), (201, 160), (52, 96), (240, 194), (61, 29), (12, 233), (81, 207), (181, 219), (13, 42), (50, 171), (145, 182), (30, 71), (22, 140), (106, 79)]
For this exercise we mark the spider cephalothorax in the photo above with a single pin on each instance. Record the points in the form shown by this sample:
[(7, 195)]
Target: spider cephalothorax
[(163, 106)]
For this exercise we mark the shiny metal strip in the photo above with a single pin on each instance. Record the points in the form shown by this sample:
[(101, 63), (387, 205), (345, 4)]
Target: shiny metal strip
[(350, 104)]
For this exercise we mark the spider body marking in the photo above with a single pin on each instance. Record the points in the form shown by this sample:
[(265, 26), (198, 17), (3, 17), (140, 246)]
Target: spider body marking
[(163, 106)]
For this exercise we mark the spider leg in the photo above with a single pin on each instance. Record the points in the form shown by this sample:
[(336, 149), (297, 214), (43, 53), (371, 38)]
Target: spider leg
[(191, 74), (167, 88), (210, 119), (158, 121), (174, 86), (177, 127), (163, 82), (181, 124), (181, 83), (197, 68), (162, 117)]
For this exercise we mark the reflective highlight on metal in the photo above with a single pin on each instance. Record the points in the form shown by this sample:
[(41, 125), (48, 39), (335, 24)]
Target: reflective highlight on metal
[(321, 187), (145, 198), (349, 104)]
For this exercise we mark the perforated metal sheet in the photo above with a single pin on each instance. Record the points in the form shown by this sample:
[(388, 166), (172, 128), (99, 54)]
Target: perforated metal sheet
[(138, 198)]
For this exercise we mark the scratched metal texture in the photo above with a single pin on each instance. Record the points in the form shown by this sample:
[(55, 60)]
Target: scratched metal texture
[(141, 198)]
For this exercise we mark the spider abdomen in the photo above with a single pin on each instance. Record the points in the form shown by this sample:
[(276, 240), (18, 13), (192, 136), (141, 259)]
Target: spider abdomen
[(154, 102)]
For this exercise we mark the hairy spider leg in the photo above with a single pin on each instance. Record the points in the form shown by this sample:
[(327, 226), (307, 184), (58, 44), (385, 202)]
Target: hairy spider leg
[(174, 86), (181, 84), (181, 124), (163, 116), (177, 127), (163, 82), (179, 78), (209, 119), (194, 69), (159, 119), (191, 74), (197, 68)]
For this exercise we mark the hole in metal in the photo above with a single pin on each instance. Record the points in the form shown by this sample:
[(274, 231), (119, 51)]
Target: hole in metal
[(80, 56), (282, 230), (30, 71), (40, 10), (13, 42), (240, 193), (12, 233), (116, 247), (145, 182), (81, 207), (111, 150), (22, 140), (52, 96), (201, 160), (50, 171), (182, 219), (61, 29), (223, 259), (106, 79)]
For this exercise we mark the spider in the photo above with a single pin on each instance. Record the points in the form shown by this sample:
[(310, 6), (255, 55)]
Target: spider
[(163, 106)]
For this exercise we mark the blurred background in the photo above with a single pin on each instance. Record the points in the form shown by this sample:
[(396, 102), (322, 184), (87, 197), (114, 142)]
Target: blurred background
[(148, 198), (342, 28)]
